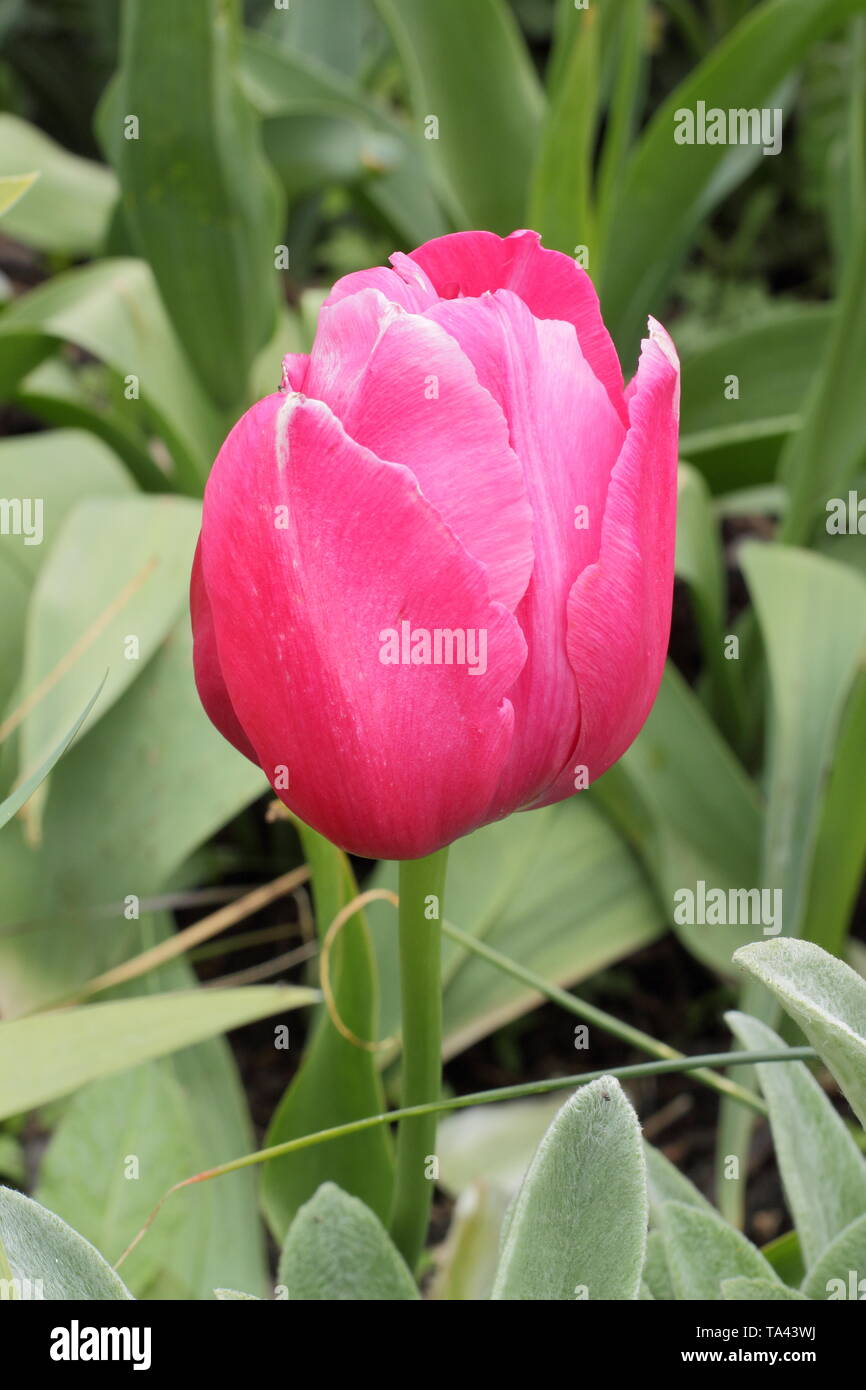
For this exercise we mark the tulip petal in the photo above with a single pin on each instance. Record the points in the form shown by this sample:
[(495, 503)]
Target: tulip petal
[(567, 437), (312, 549), (401, 387), (552, 285), (206, 665), (620, 607), (405, 284)]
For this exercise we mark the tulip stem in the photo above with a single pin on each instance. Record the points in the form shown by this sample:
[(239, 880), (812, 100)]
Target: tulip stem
[(422, 882)]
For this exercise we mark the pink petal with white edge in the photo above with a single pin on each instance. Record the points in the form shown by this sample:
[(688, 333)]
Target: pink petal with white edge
[(401, 387), (294, 371), (551, 284), (620, 608), (386, 760), (206, 665), (405, 284), (567, 437)]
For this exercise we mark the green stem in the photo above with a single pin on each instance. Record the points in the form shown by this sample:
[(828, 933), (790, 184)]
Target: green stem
[(526, 1088), (422, 882), (599, 1017)]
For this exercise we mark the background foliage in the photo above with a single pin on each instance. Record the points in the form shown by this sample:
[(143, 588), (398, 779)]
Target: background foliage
[(142, 310)]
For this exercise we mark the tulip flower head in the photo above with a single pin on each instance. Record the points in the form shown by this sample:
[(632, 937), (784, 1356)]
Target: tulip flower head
[(434, 579)]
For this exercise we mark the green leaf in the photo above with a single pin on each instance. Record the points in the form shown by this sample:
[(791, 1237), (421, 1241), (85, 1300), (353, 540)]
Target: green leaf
[(12, 188), (665, 1183), (758, 1291), (198, 196), (556, 890), (466, 1262), (337, 1250), (112, 310), (42, 1250), (700, 562), (82, 616), (12, 804), (482, 108), (804, 603), (826, 998), (141, 1116), (823, 1171), (69, 207), (786, 1257), (578, 1227), (48, 1055), (93, 401), (656, 1275), (560, 196), (840, 846), (692, 814), (775, 361), (336, 1081), (843, 1256), (668, 189), (822, 459), (100, 843), (492, 1144), (282, 82), (702, 1251)]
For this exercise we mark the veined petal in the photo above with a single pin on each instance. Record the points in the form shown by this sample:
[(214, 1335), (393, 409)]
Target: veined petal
[(567, 437), (314, 551), (402, 387), (552, 285)]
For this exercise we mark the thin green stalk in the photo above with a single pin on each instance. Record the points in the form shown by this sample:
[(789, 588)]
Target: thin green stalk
[(437, 1107), (422, 882), (590, 1014)]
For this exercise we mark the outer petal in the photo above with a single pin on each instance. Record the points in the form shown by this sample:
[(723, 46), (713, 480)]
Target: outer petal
[(619, 611), (405, 284), (386, 760), (551, 284), (206, 665), (567, 436), (402, 387)]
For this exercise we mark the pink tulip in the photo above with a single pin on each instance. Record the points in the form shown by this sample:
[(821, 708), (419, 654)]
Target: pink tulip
[(433, 584)]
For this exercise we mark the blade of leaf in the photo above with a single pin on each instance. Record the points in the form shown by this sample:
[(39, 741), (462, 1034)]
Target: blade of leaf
[(669, 188), (336, 1081), (482, 108), (48, 1055), (41, 1247), (828, 1000), (198, 195), (702, 1251), (12, 804), (823, 1171), (337, 1250), (578, 1226)]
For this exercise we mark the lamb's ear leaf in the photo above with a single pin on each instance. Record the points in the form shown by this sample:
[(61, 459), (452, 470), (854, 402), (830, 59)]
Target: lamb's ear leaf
[(47, 1259), (578, 1227), (823, 1171), (758, 1291), (846, 1253), (828, 1000), (702, 1251), (337, 1250)]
